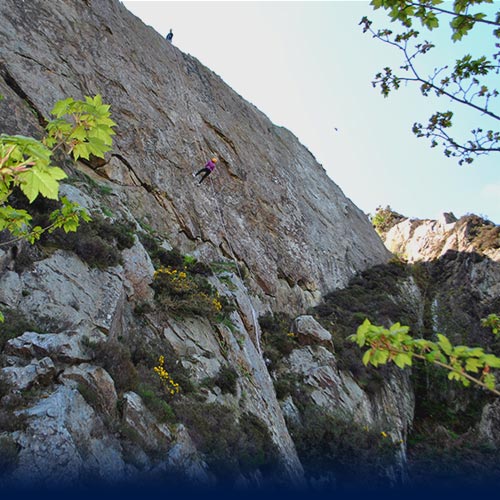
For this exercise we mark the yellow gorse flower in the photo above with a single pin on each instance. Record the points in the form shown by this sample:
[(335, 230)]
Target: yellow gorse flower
[(168, 382), (173, 273)]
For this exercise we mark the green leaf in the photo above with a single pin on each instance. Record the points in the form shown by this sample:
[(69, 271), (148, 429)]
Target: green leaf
[(26, 148), (396, 328), (70, 225), (431, 21), (379, 357), (444, 344), (61, 107), (459, 350), (367, 356), (96, 100), (473, 365), (361, 332), (2, 319), (436, 355), (403, 360), (459, 378), (35, 234), (41, 180), (79, 133), (475, 352), (491, 360), (97, 147), (422, 344), (81, 150), (13, 220), (102, 132), (85, 215), (489, 380)]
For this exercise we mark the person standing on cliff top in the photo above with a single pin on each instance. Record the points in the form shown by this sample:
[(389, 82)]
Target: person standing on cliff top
[(207, 169), (170, 36)]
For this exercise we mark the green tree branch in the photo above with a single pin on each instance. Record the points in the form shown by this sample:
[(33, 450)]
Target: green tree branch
[(397, 346), (465, 83), (83, 128)]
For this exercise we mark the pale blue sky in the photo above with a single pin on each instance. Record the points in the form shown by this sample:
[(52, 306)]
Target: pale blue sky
[(309, 67)]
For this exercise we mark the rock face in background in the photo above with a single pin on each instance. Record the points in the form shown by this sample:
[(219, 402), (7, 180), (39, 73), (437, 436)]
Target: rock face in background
[(461, 260), (456, 264), (424, 240)]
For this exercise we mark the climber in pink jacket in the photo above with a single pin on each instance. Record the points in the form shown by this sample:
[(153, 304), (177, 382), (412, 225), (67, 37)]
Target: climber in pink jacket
[(208, 169)]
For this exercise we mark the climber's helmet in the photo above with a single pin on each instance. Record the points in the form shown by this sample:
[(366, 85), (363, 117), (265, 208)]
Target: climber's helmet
[(214, 160)]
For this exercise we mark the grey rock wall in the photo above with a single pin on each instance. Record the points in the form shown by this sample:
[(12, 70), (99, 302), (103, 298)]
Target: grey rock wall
[(282, 216), (269, 205), (423, 240)]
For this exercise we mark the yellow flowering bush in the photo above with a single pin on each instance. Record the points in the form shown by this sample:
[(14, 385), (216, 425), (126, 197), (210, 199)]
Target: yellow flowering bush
[(186, 294), (217, 305), (170, 385), (173, 280)]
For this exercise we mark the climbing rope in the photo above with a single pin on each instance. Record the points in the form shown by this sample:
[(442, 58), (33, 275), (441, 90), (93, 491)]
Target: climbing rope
[(233, 256), (177, 66), (197, 134)]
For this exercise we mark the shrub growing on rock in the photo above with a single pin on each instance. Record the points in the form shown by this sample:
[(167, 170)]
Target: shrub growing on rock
[(385, 218), (115, 358), (226, 379), (231, 444), (98, 243), (356, 455), (15, 325), (277, 339), (185, 294)]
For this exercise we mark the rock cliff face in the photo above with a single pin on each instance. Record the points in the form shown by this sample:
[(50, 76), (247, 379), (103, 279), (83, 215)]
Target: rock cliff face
[(199, 333), (455, 270), (424, 240), (285, 220), (84, 330)]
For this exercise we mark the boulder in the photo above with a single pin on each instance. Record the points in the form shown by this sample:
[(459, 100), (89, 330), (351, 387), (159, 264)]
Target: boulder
[(95, 383), (489, 427), (38, 372), (147, 431), (309, 330), (10, 289), (184, 459), (139, 271), (65, 293), (64, 347), (64, 443)]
